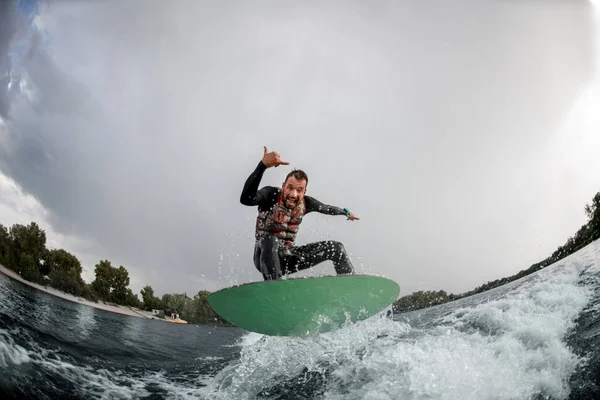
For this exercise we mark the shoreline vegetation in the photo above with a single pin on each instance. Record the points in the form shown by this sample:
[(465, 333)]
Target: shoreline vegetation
[(24, 257), (588, 233), (76, 299)]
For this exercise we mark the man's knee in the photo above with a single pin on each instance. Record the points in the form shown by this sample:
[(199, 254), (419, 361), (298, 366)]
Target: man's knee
[(337, 248), (340, 259)]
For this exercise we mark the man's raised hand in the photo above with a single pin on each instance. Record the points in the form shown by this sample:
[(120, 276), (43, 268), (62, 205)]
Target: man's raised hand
[(272, 159)]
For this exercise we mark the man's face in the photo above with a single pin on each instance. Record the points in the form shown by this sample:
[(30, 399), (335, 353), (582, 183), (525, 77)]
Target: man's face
[(293, 191)]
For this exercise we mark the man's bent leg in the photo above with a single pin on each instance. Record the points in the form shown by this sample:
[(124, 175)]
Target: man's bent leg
[(266, 258), (311, 254)]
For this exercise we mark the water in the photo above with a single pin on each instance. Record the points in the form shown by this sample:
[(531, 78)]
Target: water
[(536, 338)]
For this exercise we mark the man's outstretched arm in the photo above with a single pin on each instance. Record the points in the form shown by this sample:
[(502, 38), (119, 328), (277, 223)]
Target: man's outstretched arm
[(314, 205)]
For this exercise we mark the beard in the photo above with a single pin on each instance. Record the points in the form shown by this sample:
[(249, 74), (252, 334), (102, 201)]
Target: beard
[(290, 202)]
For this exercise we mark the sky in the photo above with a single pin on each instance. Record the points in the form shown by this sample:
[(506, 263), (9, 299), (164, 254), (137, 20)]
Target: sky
[(461, 134)]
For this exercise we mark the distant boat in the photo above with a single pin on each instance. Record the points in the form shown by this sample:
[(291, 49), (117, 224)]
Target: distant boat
[(175, 318)]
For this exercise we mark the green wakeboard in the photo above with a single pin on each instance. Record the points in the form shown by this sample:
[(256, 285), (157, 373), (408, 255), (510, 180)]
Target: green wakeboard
[(304, 306)]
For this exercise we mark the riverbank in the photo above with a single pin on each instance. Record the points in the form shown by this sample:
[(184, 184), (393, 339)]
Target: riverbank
[(131, 311)]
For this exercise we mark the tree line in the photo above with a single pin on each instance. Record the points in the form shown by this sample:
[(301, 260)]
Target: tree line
[(588, 232), (23, 250)]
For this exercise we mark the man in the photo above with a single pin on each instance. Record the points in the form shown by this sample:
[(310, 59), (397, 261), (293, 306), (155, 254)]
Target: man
[(280, 212)]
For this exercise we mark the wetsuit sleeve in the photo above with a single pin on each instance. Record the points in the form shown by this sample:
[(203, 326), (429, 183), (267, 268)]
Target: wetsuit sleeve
[(315, 205), (251, 196)]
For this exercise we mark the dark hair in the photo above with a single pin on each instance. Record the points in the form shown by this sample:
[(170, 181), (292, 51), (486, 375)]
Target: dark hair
[(298, 174)]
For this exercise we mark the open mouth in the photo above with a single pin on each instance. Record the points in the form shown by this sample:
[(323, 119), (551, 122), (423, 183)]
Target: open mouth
[(291, 201)]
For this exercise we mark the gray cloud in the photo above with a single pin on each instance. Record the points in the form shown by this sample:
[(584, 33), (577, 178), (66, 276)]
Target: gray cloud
[(430, 121), (8, 28)]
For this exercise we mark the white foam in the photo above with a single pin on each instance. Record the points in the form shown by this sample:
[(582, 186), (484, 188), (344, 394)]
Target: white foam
[(10, 352), (510, 347)]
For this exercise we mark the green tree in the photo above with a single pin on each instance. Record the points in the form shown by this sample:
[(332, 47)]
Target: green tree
[(177, 303), (203, 312), (103, 282), (64, 271), (149, 300), (5, 246), (27, 248), (112, 284), (89, 293), (60, 259), (593, 213), (164, 302), (132, 300), (119, 285), (29, 269), (594, 207)]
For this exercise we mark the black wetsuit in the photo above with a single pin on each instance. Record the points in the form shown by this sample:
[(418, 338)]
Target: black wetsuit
[(272, 257)]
